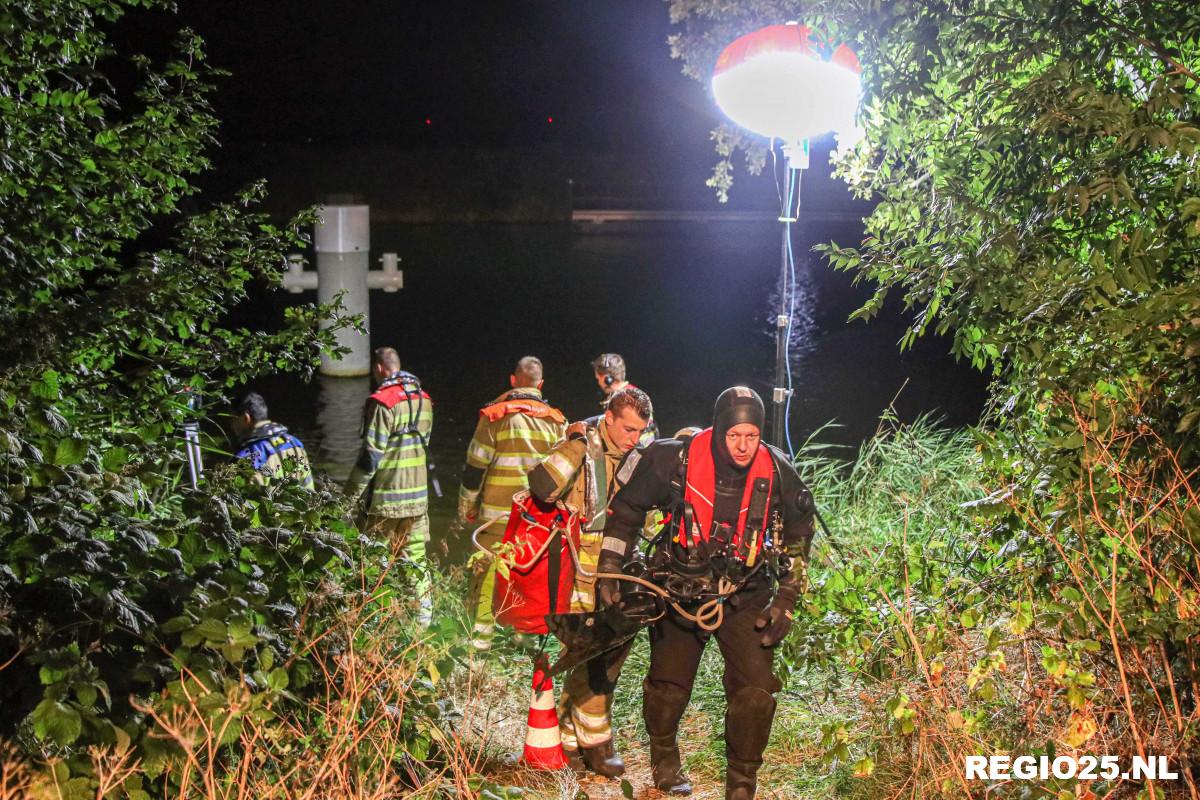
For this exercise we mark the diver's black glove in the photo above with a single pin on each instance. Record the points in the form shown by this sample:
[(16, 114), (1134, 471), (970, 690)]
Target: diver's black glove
[(608, 590), (776, 619)]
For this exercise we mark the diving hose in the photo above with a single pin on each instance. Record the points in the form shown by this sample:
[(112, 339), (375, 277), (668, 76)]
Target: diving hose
[(708, 615)]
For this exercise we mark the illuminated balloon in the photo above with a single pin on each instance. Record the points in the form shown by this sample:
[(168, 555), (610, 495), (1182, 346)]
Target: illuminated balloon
[(775, 83)]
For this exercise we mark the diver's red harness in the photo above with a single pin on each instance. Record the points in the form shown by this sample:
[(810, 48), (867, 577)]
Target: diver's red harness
[(699, 483)]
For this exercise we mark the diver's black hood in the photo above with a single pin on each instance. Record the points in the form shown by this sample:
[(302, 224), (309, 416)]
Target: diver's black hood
[(735, 405)]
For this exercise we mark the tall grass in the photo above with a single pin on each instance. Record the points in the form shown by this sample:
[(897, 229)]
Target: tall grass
[(411, 713), (403, 711), (908, 478), (948, 620), (927, 634), (909, 482)]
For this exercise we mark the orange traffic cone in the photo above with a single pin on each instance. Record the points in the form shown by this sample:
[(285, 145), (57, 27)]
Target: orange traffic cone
[(543, 750)]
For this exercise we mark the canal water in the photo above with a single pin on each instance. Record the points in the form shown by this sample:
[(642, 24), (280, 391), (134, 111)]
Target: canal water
[(689, 305)]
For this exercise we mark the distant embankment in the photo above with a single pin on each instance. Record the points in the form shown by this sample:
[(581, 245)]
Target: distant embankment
[(415, 186), (542, 184)]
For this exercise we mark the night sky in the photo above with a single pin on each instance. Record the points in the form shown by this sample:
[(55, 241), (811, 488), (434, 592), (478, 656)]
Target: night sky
[(589, 78), (483, 74)]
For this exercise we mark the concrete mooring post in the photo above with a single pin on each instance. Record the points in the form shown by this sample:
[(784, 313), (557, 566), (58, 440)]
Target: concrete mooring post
[(342, 238)]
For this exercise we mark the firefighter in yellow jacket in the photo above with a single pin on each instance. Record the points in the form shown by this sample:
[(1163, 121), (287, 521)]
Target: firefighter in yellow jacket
[(584, 471), (514, 432), (389, 481)]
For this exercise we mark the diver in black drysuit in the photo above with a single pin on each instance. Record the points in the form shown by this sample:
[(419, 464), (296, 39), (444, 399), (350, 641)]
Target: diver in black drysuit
[(756, 617)]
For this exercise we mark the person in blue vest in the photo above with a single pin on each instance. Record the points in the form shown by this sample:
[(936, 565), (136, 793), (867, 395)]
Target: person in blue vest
[(272, 451)]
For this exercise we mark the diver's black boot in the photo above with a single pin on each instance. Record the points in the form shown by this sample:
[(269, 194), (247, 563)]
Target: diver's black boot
[(603, 759), (748, 718), (666, 768), (663, 705), (741, 780)]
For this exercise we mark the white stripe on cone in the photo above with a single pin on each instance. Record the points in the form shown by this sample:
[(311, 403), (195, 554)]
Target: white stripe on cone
[(542, 700), (542, 738)]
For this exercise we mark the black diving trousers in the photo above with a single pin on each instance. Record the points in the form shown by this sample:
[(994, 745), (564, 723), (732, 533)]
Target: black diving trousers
[(676, 646)]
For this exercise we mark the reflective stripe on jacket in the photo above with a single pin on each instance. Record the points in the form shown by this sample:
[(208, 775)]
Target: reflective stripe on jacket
[(573, 471), (514, 432), (274, 452), (390, 477)]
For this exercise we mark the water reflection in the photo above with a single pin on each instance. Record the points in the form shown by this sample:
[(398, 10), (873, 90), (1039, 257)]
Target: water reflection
[(804, 296), (690, 307), (337, 433)]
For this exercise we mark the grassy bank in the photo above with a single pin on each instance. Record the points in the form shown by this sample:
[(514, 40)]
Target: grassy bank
[(413, 713)]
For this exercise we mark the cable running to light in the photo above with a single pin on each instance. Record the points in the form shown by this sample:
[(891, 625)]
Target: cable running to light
[(795, 178), (790, 199), (791, 83)]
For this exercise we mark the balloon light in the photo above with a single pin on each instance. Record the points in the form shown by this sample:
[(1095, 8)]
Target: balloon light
[(776, 83)]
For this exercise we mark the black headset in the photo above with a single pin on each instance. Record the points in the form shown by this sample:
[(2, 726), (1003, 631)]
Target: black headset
[(607, 362)]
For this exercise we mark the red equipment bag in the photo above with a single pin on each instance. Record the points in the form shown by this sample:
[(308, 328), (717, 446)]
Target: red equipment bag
[(541, 573)]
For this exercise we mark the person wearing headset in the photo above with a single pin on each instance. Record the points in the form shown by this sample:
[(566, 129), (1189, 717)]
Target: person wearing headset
[(609, 369)]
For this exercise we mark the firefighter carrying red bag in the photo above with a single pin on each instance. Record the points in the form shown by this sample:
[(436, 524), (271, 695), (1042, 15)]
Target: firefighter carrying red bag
[(557, 526), (535, 570)]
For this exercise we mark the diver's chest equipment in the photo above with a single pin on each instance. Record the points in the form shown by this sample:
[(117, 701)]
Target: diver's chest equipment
[(696, 561), (694, 564), (691, 567)]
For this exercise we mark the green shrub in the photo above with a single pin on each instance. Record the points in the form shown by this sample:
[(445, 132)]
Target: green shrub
[(1034, 168), (897, 526), (116, 581)]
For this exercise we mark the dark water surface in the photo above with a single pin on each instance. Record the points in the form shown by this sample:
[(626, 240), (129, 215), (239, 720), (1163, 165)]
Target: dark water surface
[(689, 305)]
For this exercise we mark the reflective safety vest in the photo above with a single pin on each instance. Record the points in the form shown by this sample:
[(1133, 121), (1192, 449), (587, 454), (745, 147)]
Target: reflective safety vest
[(272, 449), (513, 434), (390, 394), (391, 471), (699, 492)]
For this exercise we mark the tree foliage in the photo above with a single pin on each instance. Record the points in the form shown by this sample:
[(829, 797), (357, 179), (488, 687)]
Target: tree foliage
[(1035, 167), (117, 581)]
